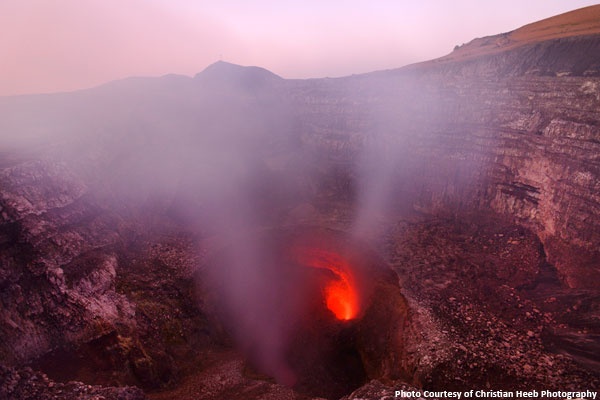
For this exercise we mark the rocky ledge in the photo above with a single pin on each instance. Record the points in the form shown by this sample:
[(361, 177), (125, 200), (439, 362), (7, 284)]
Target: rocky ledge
[(25, 383)]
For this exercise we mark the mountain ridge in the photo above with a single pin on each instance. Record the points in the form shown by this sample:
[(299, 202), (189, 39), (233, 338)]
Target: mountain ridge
[(583, 22), (580, 22)]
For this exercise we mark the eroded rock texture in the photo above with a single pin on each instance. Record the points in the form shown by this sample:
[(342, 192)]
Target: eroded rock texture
[(58, 277), (524, 145)]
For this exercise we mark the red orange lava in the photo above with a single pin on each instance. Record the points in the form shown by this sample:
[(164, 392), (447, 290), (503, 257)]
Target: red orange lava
[(341, 294)]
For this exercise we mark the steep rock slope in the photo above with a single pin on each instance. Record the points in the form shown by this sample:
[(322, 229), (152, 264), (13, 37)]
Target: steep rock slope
[(58, 277), (516, 131)]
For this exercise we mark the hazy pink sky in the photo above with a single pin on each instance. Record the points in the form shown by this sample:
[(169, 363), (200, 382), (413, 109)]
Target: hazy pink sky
[(58, 45)]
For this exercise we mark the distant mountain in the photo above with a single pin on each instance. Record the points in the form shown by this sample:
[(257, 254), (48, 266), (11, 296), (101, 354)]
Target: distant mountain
[(222, 72)]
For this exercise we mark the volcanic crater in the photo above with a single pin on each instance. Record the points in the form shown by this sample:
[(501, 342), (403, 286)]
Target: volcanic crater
[(336, 303), (241, 235)]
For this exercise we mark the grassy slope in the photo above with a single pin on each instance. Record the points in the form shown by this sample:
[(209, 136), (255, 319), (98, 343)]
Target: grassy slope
[(584, 21)]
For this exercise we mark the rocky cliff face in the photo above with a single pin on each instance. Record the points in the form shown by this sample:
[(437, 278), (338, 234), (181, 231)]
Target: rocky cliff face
[(486, 133), (58, 274)]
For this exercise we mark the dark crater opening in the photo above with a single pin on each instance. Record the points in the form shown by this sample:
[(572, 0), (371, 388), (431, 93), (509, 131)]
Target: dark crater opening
[(289, 318)]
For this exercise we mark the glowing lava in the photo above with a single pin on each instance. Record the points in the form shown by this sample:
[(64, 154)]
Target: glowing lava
[(341, 294), (341, 299)]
